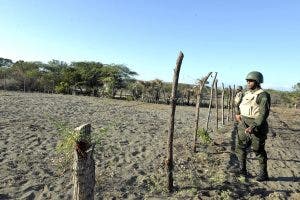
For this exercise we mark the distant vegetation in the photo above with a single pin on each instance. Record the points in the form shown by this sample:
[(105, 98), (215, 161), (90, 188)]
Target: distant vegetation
[(285, 98), (109, 80), (60, 77)]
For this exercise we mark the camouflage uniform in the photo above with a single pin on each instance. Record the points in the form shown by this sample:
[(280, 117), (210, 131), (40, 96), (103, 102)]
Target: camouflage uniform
[(237, 100), (238, 96), (259, 135)]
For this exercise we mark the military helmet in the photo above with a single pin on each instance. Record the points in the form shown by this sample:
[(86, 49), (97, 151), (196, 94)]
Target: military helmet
[(254, 75), (239, 88)]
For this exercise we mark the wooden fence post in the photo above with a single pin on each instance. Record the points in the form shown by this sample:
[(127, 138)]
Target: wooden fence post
[(84, 165), (198, 102), (232, 103), (223, 91), (210, 102), (228, 103), (169, 161), (216, 97)]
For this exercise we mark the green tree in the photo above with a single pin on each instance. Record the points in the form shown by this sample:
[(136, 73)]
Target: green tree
[(155, 89), (25, 73), (136, 89), (87, 76), (297, 87), (54, 73), (3, 76), (116, 77), (5, 64)]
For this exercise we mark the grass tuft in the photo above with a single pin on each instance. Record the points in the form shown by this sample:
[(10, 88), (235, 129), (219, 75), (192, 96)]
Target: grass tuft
[(204, 136)]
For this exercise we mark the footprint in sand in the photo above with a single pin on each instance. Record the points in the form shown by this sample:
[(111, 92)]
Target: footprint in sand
[(131, 181), (141, 172), (125, 142), (143, 149), (135, 166), (135, 153), (4, 196)]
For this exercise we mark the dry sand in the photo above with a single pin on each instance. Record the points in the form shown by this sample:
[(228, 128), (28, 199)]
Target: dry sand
[(129, 163)]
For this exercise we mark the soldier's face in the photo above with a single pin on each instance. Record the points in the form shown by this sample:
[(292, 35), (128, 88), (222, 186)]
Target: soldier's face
[(251, 84)]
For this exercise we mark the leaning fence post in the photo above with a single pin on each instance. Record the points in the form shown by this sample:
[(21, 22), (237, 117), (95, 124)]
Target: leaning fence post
[(84, 165), (198, 102), (169, 160)]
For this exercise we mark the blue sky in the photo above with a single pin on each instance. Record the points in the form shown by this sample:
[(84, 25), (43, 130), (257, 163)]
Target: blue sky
[(230, 37)]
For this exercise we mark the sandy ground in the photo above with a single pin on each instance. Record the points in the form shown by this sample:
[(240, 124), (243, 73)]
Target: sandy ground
[(130, 160)]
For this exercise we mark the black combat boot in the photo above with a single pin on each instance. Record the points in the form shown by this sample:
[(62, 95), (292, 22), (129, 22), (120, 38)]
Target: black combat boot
[(263, 175), (243, 172), (242, 169)]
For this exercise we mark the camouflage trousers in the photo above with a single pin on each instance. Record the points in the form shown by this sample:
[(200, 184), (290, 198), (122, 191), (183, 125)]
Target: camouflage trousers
[(256, 141)]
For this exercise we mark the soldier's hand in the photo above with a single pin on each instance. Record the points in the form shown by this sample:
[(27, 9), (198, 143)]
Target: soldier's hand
[(238, 118), (248, 130)]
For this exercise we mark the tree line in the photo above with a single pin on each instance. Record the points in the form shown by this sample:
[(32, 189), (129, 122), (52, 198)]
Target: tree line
[(60, 77), (109, 80), (88, 78)]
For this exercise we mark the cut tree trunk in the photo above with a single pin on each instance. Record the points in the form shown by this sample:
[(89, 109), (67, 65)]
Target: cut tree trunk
[(169, 161), (84, 166)]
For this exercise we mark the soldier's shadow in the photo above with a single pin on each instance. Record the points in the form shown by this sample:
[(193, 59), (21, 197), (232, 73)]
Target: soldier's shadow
[(285, 178)]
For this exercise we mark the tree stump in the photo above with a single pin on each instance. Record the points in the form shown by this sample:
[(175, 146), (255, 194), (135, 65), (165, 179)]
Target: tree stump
[(84, 165)]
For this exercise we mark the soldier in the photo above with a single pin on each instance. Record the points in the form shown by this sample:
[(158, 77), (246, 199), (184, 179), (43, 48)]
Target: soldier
[(238, 96), (252, 114), (237, 100)]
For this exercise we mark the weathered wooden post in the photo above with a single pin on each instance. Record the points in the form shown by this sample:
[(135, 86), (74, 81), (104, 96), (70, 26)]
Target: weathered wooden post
[(223, 91), (121, 94), (232, 103), (228, 103), (198, 102), (169, 161), (4, 79), (210, 102), (84, 165), (217, 109)]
